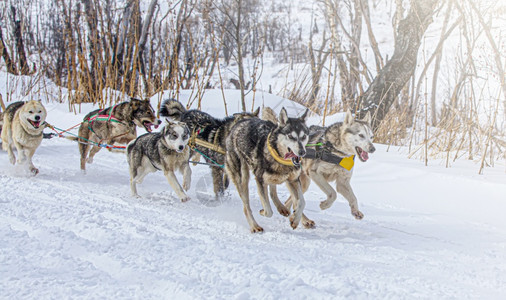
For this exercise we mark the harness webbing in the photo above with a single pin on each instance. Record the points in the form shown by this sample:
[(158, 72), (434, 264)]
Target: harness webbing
[(327, 156)]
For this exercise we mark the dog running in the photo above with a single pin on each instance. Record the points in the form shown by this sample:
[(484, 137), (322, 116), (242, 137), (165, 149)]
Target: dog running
[(213, 131), (333, 159), (115, 124), (273, 153), (166, 151), (23, 123)]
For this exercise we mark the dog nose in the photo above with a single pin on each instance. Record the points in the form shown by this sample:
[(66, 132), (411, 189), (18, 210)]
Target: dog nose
[(371, 149), (302, 152), (181, 147), (37, 118), (158, 121)]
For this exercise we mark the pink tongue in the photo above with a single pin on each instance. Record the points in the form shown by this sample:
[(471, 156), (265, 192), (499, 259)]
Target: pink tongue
[(290, 155), (364, 155)]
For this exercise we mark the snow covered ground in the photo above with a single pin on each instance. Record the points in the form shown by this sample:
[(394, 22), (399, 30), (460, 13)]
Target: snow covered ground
[(428, 232)]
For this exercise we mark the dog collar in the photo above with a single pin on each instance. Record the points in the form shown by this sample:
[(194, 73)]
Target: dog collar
[(275, 155)]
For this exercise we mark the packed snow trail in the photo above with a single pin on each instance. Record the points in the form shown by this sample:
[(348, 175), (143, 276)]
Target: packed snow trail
[(426, 233)]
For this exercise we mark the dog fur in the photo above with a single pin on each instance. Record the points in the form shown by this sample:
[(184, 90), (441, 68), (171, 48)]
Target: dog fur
[(210, 129), (247, 149), (166, 151), (351, 137), (131, 114), (22, 130)]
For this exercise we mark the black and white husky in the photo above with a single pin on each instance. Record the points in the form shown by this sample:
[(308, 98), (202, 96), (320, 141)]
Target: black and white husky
[(166, 151), (272, 152)]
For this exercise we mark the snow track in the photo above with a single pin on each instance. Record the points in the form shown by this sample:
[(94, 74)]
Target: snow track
[(427, 233)]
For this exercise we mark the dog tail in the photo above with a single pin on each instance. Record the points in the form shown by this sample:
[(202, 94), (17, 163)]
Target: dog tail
[(172, 109), (268, 114)]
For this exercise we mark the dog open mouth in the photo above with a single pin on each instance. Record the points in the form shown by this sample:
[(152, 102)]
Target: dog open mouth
[(35, 124), (148, 126), (295, 159), (363, 155)]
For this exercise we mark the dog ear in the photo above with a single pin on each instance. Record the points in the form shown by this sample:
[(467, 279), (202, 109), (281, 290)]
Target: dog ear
[(283, 117), (305, 115), (256, 112), (348, 118), (135, 103)]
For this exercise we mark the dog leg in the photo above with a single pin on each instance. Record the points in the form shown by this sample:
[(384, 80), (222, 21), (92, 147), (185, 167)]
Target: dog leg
[(94, 150), (295, 189), (305, 182), (10, 153), (29, 154), (283, 210), (171, 177), (322, 183), (187, 177), (264, 199), (344, 188), (83, 145), (217, 174), (134, 174), (240, 177)]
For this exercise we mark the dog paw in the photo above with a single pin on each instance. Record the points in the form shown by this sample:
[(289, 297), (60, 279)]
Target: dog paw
[(34, 171), (89, 160), (263, 213), (186, 186), (12, 160), (185, 199), (256, 229), (325, 204), (283, 211), (294, 222), (308, 224), (358, 214)]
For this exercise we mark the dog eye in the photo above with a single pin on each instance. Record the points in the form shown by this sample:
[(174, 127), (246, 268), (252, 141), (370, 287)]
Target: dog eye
[(40, 111), (304, 137), (361, 135), (31, 112), (173, 136)]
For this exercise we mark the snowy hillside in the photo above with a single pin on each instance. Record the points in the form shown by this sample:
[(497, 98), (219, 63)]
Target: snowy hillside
[(427, 233)]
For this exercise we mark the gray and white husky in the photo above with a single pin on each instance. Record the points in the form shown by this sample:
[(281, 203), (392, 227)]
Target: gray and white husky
[(273, 153), (333, 161), (166, 151)]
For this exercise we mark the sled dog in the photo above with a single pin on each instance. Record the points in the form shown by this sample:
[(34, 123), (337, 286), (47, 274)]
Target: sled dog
[(273, 153), (115, 124), (166, 151), (212, 130), (22, 130), (333, 159)]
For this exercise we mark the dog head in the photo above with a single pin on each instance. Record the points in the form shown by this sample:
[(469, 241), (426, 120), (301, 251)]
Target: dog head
[(32, 115), (358, 136), (176, 135), (143, 114), (293, 136)]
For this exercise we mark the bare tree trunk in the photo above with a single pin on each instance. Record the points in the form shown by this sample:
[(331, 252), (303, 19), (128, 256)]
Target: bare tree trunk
[(239, 45), (389, 82), (317, 65), (11, 67), (437, 65), (364, 6), (20, 47)]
